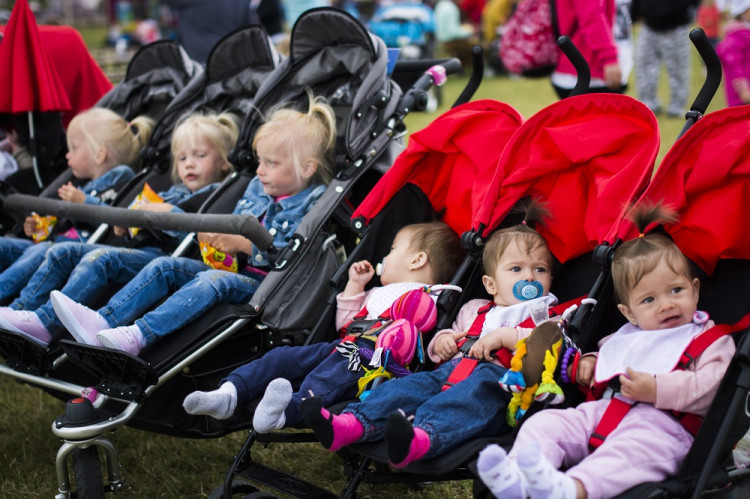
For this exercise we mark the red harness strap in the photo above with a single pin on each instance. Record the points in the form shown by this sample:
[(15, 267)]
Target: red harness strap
[(504, 355), (361, 315), (617, 409)]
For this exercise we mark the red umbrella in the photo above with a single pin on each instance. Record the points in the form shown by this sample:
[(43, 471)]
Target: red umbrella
[(30, 82)]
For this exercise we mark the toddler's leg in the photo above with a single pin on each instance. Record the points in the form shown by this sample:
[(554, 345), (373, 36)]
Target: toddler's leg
[(333, 431), (545, 481), (219, 404), (500, 474), (269, 415), (405, 443)]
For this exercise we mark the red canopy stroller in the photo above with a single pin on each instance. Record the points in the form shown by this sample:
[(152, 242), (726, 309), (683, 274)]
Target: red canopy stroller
[(705, 177), (585, 157)]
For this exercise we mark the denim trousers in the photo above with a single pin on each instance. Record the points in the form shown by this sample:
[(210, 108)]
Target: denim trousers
[(474, 407), (19, 258), (195, 290), (81, 272), (316, 368)]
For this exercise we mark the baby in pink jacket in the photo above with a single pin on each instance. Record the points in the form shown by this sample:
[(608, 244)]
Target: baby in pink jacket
[(659, 297)]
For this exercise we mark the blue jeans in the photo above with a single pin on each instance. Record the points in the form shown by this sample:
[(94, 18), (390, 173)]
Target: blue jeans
[(309, 368), (471, 408), (196, 290), (19, 258), (87, 268), (51, 273)]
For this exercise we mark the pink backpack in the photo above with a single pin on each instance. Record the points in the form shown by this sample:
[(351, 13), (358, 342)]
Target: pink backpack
[(528, 44)]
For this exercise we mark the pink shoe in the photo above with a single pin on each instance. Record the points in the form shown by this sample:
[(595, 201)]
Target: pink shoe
[(82, 322), (126, 338), (25, 323)]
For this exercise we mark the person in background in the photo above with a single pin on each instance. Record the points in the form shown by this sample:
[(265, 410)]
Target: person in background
[(201, 24), (708, 19), (455, 39), (663, 41), (734, 52), (588, 23)]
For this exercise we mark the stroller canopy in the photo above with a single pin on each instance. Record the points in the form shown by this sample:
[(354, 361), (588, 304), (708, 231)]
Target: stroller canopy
[(585, 157), (155, 75), (451, 161), (333, 55), (705, 177)]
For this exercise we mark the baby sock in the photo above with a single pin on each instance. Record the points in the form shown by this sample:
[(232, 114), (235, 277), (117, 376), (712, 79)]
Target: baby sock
[(545, 482), (219, 404), (500, 474), (269, 415), (405, 443), (333, 431)]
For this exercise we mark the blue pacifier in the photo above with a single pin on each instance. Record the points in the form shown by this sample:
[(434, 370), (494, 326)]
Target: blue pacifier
[(525, 290)]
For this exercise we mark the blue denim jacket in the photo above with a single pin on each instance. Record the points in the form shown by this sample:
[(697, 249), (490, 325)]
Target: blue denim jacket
[(96, 190), (280, 218)]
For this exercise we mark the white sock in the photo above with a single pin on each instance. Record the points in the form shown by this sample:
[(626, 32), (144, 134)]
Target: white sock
[(219, 404), (269, 415), (500, 474), (545, 482)]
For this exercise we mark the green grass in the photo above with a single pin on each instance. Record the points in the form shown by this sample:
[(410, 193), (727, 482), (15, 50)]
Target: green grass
[(161, 466)]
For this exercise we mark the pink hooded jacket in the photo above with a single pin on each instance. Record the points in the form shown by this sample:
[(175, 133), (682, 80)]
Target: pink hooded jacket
[(734, 52)]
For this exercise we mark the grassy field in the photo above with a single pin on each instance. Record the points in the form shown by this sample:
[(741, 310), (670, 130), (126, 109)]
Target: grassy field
[(160, 466)]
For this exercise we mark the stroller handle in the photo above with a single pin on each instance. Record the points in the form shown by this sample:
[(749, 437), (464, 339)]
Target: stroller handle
[(416, 97), (579, 63), (711, 83), (244, 225)]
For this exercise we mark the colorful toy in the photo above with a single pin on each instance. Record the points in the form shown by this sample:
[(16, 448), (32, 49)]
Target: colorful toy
[(43, 226), (531, 374), (146, 196)]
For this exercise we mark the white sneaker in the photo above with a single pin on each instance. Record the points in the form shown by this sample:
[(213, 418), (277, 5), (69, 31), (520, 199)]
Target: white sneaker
[(82, 322)]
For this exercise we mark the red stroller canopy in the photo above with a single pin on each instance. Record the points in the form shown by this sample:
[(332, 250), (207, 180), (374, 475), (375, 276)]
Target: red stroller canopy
[(451, 160), (585, 157), (75, 83), (705, 176)]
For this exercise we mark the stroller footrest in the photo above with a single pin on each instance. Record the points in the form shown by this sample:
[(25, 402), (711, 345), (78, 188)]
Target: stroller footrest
[(23, 354), (120, 374), (282, 482)]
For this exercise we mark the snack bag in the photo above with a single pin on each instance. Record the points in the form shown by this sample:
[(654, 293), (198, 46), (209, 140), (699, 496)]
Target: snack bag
[(147, 195), (43, 227), (217, 259)]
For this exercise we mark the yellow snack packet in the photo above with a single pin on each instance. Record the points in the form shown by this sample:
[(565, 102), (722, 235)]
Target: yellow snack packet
[(146, 196), (43, 226), (217, 259)]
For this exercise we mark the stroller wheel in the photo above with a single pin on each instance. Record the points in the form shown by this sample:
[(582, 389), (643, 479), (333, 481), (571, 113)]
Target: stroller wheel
[(88, 473)]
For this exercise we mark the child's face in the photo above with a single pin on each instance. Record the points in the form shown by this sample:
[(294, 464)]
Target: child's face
[(199, 164), (662, 299), (517, 264), (397, 264), (80, 158), (276, 171)]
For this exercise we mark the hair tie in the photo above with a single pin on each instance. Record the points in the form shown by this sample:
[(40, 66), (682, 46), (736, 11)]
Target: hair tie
[(641, 235), (524, 222)]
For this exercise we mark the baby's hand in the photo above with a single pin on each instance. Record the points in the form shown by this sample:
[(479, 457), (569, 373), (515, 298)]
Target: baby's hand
[(485, 345), (638, 386), (156, 207), (361, 272), (446, 345), (585, 370), (29, 226), (69, 192), (119, 231)]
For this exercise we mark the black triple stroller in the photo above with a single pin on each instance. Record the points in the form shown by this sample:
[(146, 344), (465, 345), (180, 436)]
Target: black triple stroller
[(334, 56)]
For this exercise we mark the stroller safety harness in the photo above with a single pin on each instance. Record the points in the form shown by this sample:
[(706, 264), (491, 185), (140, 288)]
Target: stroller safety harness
[(618, 408)]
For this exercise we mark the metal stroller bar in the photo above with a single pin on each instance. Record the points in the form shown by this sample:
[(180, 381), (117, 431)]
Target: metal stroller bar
[(712, 82), (475, 79)]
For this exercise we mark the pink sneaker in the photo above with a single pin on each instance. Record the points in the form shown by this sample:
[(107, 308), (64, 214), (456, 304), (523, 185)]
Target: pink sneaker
[(25, 323), (82, 322), (126, 338)]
